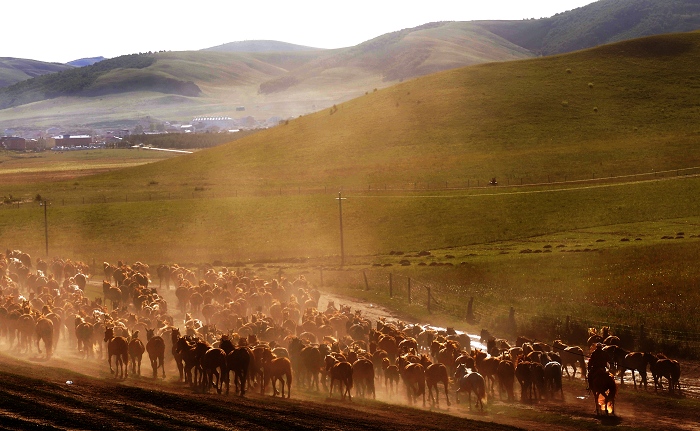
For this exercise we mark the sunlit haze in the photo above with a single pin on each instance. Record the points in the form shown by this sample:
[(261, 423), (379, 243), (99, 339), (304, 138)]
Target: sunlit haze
[(72, 29)]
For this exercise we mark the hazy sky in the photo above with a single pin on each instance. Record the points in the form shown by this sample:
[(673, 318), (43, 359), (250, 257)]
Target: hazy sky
[(61, 31)]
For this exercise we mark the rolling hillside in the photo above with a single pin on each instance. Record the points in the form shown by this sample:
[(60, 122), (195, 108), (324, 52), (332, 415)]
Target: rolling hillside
[(283, 83), (277, 79), (14, 70), (621, 109), (260, 46), (598, 23)]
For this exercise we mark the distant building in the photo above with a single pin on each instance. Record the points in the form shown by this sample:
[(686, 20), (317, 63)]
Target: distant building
[(72, 140), (14, 143), (221, 123), (240, 108)]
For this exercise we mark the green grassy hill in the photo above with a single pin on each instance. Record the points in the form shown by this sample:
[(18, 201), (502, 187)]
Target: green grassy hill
[(13, 70), (622, 109), (282, 83), (598, 23)]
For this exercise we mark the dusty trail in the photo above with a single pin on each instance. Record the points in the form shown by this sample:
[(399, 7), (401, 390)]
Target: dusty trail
[(36, 394)]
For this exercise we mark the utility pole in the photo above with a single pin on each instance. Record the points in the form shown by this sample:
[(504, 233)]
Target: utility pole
[(342, 247)]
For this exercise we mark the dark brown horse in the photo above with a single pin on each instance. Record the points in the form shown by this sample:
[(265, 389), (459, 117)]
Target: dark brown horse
[(136, 350), (635, 361), (119, 347), (434, 374), (83, 333), (213, 364), (661, 366), (602, 384), (155, 346), (506, 378), (363, 377), (175, 337), (44, 331), (413, 376), (238, 361), (342, 372), (391, 375), (276, 369)]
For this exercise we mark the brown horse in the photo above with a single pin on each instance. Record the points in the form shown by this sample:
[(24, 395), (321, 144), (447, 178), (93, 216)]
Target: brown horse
[(602, 384), (83, 333), (413, 375), (44, 331), (363, 375), (212, 360), (276, 369), (117, 346), (155, 346), (342, 372), (635, 361), (487, 367), (506, 378), (175, 337), (238, 360), (434, 374), (136, 349), (661, 366), (391, 375), (112, 293)]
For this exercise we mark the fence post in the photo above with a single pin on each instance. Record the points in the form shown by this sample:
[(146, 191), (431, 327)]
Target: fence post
[(321, 277), (364, 274), (391, 286), (470, 310), (409, 290)]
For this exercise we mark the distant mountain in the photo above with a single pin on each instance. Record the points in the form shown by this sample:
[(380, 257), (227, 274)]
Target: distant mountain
[(271, 78), (116, 75), (599, 23), (85, 61), (13, 70), (260, 46), (405, 54)]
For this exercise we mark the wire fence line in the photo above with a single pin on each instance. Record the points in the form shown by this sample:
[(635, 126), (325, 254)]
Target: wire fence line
[(456, 301), (9, 202)]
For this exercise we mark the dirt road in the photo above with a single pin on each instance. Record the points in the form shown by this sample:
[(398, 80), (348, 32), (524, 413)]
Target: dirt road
[(68, 392)]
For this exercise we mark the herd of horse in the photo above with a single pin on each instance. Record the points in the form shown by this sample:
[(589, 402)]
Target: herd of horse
[(271, 332)]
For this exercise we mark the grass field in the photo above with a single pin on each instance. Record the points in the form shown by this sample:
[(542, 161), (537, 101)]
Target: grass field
[(250, 202)]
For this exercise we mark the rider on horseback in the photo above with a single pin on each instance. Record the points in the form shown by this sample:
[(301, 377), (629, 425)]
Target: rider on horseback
[(598, 359)]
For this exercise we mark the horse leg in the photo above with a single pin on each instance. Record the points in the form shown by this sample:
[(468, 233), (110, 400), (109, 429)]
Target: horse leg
[(447, 397)]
